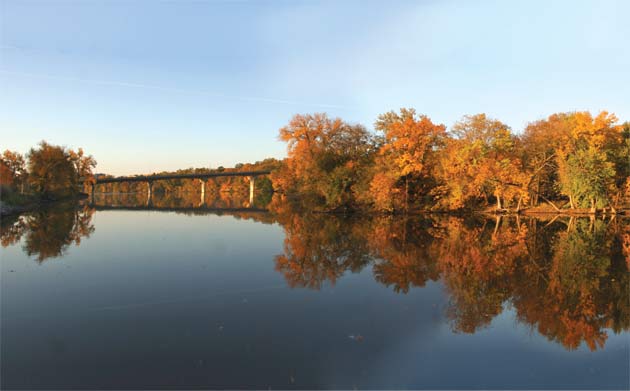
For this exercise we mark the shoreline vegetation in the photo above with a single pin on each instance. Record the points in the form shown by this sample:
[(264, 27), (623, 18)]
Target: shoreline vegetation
[(48, 174), (572, 163)]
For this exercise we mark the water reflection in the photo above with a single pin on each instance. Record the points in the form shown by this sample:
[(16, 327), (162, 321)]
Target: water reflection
[(565, 277), (191, 198), (48, 233)]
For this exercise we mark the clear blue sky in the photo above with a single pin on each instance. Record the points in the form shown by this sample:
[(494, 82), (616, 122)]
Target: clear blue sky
[(150, 85)]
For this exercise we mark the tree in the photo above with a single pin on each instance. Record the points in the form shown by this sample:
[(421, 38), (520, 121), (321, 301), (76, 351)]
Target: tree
[(540, 141), (83, 165), (12, 169), (325, 159), (481, 160), (407, 155), (585, 170), (586, 177), (52, 173)]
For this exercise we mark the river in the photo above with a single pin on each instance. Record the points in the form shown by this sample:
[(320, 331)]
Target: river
[(98, 297)]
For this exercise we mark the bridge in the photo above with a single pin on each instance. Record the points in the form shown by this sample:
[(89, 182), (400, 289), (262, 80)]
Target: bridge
[(149, 179), (179, 209)]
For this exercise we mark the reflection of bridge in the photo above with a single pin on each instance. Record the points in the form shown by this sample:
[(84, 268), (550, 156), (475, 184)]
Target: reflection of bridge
[(149, 179), (178, 209)]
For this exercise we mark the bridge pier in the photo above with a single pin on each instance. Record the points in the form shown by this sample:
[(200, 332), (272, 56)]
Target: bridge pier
[(149, 192), (252, 180), (203, 192), (149, 179)]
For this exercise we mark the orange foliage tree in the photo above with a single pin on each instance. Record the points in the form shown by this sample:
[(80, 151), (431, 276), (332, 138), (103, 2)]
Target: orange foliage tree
[(407, 155)]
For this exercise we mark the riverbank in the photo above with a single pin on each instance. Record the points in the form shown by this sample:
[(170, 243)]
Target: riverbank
[(15, 204)]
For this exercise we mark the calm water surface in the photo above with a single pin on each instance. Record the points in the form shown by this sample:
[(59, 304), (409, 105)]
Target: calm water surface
[(95, 298)]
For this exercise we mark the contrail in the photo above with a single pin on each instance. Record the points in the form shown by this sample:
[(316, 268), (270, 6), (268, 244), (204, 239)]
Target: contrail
[(178, 90)]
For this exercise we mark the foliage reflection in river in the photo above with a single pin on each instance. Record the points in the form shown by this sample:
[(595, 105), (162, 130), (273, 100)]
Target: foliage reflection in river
[(565, 277), (568, 278), (48, 232)]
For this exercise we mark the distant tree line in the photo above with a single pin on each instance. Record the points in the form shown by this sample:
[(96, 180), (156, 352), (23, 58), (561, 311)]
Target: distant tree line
[(569, 160), (48, 171), (214, 187)]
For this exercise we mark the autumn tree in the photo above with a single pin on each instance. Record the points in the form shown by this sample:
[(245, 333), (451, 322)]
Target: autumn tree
[(325, 158), (540, 140), (52, 172), (83, 165), (407, 157), (12, 169), (480, 160)]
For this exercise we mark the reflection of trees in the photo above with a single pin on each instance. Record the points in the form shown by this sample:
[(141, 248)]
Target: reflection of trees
[(318, 248), (11, 230), (568, 278), (476, 264), (584, 289), (401, 249), (48, 233)]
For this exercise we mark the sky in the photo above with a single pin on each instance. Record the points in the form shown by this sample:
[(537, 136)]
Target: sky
[(153, 85)]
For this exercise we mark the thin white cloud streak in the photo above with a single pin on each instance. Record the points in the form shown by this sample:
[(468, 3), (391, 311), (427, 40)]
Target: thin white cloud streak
[(177, 90)]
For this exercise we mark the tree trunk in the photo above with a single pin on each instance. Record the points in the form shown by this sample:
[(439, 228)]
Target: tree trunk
[(593, 208), (552, 204), (498, 202), (406, 194), (571, 202)]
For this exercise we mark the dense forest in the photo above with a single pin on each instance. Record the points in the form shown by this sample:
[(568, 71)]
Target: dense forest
[(569, 162)]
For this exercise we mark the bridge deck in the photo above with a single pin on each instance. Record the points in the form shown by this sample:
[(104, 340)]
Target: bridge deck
[(147, 178)]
